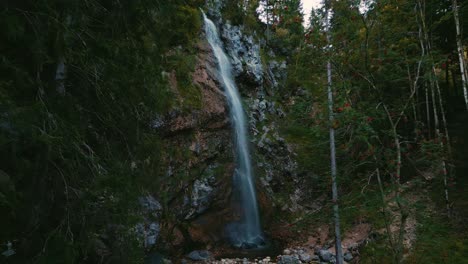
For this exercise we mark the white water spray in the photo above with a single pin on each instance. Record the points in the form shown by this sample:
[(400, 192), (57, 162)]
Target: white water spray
[(247, 233)]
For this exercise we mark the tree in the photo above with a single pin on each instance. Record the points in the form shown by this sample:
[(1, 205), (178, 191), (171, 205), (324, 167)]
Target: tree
[(461, 55), (336, 211)]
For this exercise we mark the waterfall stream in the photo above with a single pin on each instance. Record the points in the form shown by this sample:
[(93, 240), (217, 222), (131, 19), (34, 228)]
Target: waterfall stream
[(247, 233)]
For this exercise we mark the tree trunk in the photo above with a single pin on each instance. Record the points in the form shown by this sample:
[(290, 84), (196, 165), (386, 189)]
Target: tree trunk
[(435, 86), (461, 56), (336, 214), (441, 144)]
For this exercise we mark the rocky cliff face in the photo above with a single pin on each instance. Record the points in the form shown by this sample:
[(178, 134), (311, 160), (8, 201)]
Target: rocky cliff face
[(199, 171), (260, 79), (198, 162)]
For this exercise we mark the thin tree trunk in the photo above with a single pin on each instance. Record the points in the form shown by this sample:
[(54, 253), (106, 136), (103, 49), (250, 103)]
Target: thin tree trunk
[(423, 50), (461, 56), (443, 115), (336, 214), (435, 86), (428, 115), (398, 248), (441, 144), (384, 208)]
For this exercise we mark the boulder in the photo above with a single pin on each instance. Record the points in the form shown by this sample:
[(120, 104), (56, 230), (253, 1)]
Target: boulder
[(348, 256), (288, 260), (199, 255), (325, 255), (150, 205), (305, 257)]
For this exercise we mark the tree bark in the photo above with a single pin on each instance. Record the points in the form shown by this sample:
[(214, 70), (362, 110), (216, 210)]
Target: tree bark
[(460, 49), (336, 213), (435, 87)]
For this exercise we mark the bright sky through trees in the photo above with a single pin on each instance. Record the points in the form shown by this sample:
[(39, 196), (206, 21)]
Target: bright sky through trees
[(307, 6)]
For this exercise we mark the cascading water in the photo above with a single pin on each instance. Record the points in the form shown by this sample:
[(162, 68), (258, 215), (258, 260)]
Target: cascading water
[(247, 233)]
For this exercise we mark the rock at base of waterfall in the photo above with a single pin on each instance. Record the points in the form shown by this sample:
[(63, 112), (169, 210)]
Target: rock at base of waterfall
[(199, 255), (305, 257), (288, 260), (325, 255), (348, 256)]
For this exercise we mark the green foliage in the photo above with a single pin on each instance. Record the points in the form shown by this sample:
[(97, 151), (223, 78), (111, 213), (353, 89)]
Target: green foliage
[(376, 60), (69, 158), (438, 242), (242, 13), (284, 19)]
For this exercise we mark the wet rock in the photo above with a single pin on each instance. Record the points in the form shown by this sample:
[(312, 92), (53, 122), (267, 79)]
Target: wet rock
[(287, 252), (214, 10), (199, 255), (278, 69), (283, 66), (262, 105), (149, 229), (202, 195), (348, 256), (158, 122), (244, 53), (305, 257), (288, 260), (325, 255), (280, 113), (149, 232), (10, 251), (152, 234), (150, 205)]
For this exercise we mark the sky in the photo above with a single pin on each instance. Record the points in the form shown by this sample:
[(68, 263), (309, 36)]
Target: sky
[(307, 6)]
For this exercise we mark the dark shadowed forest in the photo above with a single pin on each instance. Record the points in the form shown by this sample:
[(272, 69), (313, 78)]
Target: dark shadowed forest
[(222, 131)]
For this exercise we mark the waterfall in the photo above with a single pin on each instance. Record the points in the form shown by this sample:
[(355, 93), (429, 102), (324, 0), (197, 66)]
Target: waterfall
[(246, 233)]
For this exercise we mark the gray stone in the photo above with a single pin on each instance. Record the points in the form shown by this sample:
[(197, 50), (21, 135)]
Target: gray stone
[(152, 234), (289, 260), (244, 53), (10, 251), (158, 122), (201, 198), (198, 255), (214, 10), (325, 255), (305, 257), (148, 232), (348, 256), (150, 205), (283, 65), (280, 113)]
